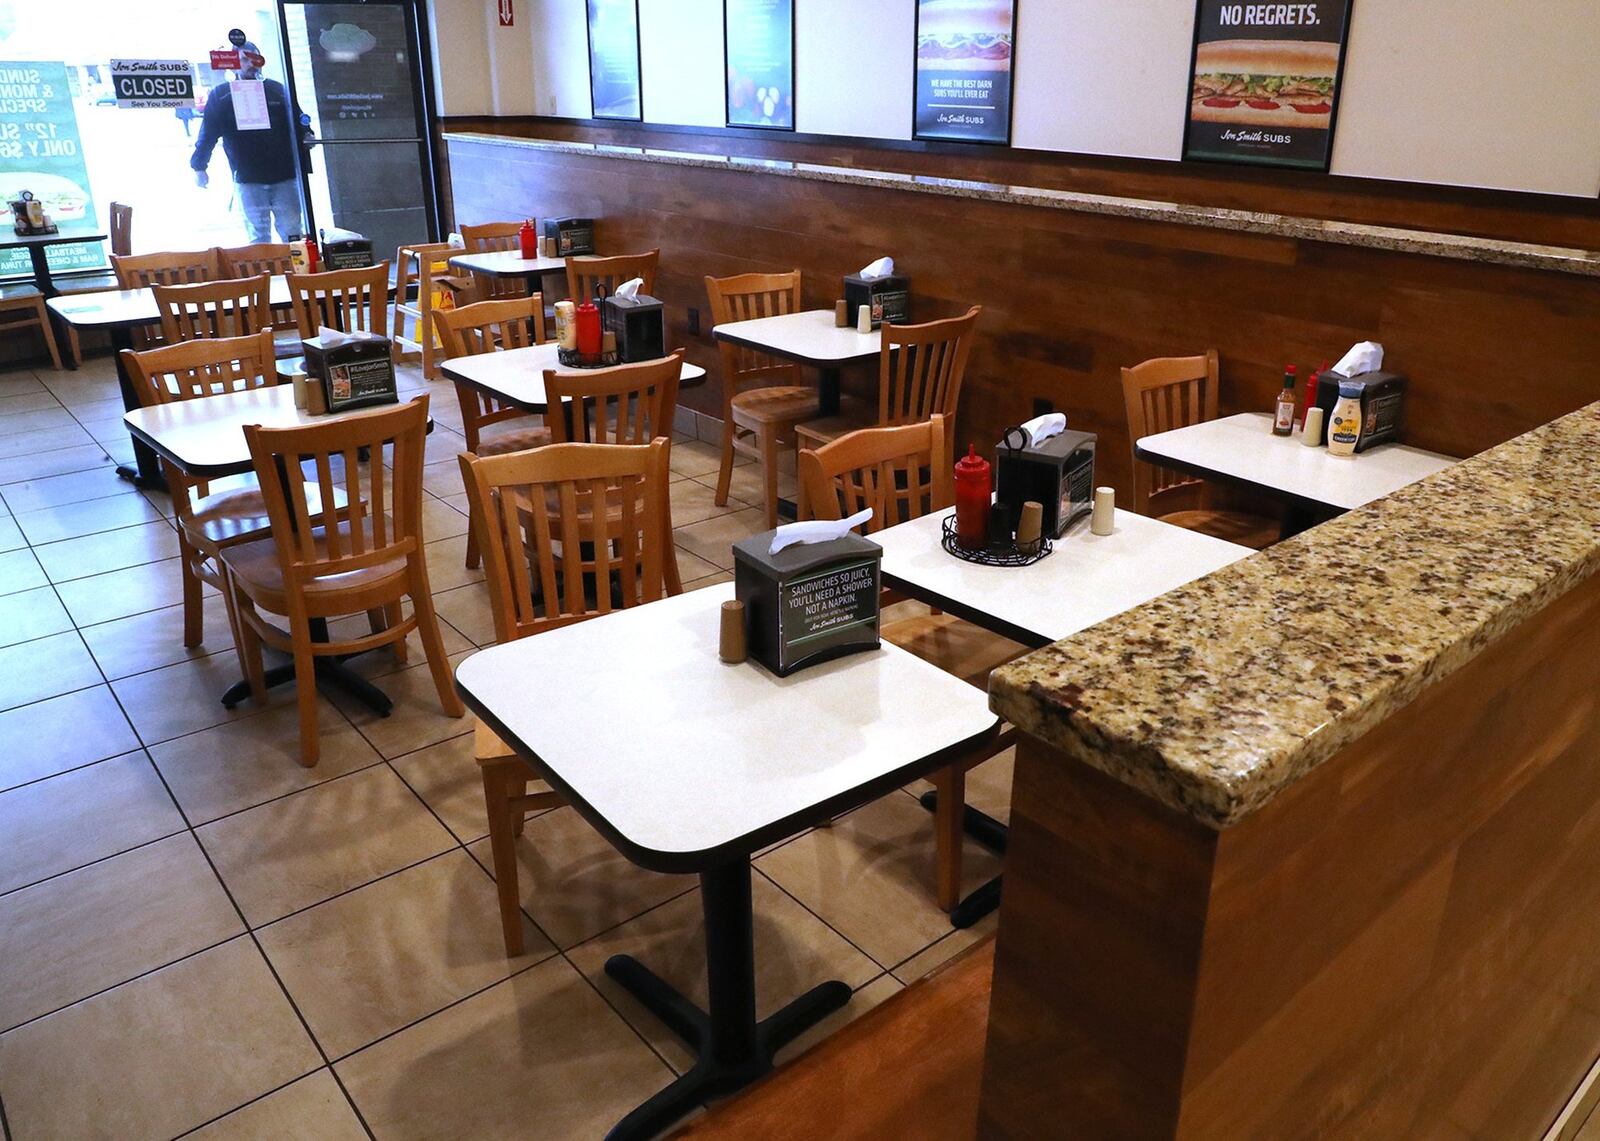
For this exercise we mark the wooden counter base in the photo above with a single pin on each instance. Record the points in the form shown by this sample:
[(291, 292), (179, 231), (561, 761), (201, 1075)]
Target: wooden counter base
[(1405, 944)]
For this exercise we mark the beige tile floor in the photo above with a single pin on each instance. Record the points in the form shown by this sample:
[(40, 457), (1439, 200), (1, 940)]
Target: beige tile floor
[(198, 936)]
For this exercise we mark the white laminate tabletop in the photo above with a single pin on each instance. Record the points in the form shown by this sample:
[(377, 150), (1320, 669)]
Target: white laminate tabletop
[(105, 308), (684, 762), (1084, 580), (1242, 448), (205, 436), (517, 375), (809, 337), (507, 263)]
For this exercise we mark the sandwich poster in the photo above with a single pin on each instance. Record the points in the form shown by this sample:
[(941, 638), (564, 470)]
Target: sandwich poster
[(759, 39), (964, 52), (614, 59), (40, 152), (1264, 85)]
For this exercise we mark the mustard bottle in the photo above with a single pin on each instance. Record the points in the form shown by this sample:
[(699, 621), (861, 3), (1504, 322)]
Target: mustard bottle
[(1344, 428)]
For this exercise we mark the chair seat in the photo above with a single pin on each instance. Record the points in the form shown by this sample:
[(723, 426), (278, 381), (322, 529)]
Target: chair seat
[(956, 646), (240, 514), (519, 441), (21, 296), (1256, 531), (259, 574), (854, 414), (488, 749), (787, 404)]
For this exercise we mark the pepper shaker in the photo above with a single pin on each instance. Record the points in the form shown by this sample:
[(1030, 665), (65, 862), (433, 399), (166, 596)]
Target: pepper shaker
[(732, 647), (841, 314), (1104, 519)]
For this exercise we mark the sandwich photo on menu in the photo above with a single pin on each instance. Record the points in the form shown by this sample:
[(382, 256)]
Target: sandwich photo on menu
[(1264, 83), (964, 35)]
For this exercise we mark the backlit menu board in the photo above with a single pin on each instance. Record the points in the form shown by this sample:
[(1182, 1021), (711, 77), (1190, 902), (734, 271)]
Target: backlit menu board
[(614, 59), (759, 42), (964, 54), (1264, 82)]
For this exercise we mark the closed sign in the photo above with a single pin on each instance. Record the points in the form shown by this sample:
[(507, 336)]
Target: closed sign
[(152, 82)]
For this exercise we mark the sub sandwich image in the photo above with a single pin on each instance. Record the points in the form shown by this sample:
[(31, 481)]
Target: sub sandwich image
[(964, 35), (1264, 83)]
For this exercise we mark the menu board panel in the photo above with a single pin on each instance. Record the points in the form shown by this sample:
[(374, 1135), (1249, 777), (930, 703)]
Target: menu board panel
[(964, 54), (40, 152), (759, 42), (614, 59), (1264, 82)]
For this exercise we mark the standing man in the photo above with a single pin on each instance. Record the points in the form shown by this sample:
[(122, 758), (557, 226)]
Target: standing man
[(263, 159)]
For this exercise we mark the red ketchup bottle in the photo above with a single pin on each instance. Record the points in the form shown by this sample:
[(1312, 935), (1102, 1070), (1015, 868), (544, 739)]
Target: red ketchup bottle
[(527, 240), (313, 256), (587, 318), (972, 500)]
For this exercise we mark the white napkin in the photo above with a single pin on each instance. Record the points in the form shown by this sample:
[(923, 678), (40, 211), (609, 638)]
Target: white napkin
[(1041, 428), (458, 241), (333, 338), (816, 530), (629, 288), (335, 234), (1362, 358), (883, 267)]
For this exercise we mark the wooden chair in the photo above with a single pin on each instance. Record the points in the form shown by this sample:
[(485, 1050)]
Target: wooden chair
[(208, 521), (346, 299), (28, 303), (140, 271), (531, 589), (494, 237), (627, 404), (920, 370), (229, 308), (120, 240), (121, 230), (903, 472), (763, 399), (586, 274), (1174, 392), (425, 266), (486, 327), (272, 258), (370, 559)]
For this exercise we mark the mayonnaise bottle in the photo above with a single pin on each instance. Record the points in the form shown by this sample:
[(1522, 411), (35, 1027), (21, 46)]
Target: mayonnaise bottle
[(1344, 427)]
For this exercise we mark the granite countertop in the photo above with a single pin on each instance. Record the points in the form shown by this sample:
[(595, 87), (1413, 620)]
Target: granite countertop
[(1217, 696), (1463, 247)]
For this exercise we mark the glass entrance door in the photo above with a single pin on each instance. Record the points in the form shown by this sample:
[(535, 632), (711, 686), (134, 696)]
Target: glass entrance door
[(356, 70)]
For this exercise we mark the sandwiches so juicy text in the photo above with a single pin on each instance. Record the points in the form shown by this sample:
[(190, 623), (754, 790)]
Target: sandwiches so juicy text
[(1264, 83)]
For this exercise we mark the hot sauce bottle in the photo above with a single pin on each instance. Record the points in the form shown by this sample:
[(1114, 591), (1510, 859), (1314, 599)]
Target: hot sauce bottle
[(1283, 417), (972, 500)]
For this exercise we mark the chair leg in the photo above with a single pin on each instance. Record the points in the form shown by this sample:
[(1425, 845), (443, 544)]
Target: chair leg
[(472, 542), (769, 473), (193, 596), (305, 685), (433, 650), (498, 780), (74, 346), (518, 787), (725, 472), (49, 334), (250, 655), (951, 784), (392, 617)]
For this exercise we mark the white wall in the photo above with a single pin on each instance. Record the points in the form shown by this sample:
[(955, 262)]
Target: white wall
[(1463, 92)]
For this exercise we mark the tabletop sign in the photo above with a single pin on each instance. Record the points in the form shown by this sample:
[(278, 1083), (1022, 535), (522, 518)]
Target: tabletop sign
[(152, 82), (355, 371), (1264, 82), (964, 53), (758, 39), (809, 602)]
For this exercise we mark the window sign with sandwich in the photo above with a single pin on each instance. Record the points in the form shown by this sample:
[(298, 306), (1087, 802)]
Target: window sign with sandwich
[(1264, 84)]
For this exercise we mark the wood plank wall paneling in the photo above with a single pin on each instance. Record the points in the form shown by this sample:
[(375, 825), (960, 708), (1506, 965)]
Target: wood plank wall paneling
[(1071, 298), (1402, 945)]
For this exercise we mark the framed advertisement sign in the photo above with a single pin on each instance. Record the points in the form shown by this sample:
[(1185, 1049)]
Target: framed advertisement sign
[(40, 153), (965, 50), (758, 38), (614, 60), (1264, 82)]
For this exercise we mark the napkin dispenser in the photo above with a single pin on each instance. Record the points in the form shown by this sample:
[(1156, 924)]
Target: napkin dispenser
[(809, 602), (355, 369), (640, 325), (573, 237), (889, 298), (1383, 404), (1057, 473), (347, 253)]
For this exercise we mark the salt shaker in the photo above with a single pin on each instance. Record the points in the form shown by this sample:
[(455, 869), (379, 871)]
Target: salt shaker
[(1104, 519), (864, 319), (1311, 434)]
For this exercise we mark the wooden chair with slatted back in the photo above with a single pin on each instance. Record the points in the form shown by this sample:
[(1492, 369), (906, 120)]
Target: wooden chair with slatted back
[(121, 229), (120, 240), (349, 300), (920, 371), (587, 274), (424, 266), (763, 397), (627, 404), (140, 271), (1174, 392), (533, 589), (494, 237), (370, 560), (228, 308), (263, 257), (207, 521), (486, 327), (28, 303), (904, 472)]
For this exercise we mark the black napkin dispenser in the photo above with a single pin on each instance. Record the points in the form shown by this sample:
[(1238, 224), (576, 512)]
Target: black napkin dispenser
[(347, 253), (640, 325), (888, 297), (1057, 473), (354, 372), (573, 237), (1383, 404), (808, 603)]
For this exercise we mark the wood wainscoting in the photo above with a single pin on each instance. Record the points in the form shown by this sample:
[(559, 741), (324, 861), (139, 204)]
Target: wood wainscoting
[(1070, 298), (1404, 944)]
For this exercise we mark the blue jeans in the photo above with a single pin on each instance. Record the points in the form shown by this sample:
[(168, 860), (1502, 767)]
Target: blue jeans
[(267, 202)]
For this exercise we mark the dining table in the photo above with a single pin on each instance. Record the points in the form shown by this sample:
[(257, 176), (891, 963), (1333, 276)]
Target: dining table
[(38, 247), (516, 376), (808, 337), (688, 764), (510, 264)]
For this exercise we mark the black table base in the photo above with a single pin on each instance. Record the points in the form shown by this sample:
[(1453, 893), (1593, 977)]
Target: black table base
[(331, 671), (992, 834), (733, 1048), (146, 470)]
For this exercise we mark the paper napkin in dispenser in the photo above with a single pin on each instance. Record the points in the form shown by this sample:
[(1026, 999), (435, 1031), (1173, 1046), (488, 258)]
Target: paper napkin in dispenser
[(629, 288), (883, 267), (1041, 428), (1367, 356), (816, 530)]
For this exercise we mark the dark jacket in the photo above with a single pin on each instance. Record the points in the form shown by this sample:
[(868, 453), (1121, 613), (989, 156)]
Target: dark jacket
[(255, 156)]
